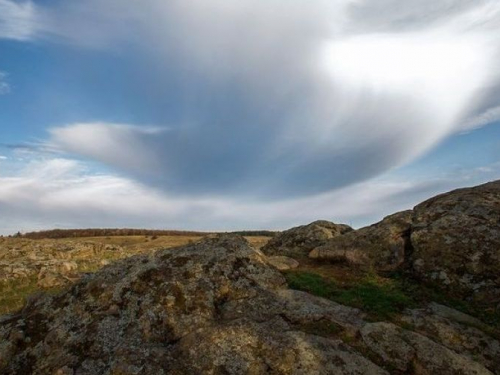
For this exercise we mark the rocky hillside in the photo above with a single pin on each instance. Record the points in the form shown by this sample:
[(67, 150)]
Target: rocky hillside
[(451, 240), (416, 293), (218, 307)]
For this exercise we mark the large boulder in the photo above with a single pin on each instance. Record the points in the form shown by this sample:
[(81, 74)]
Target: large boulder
[(381, 245), (456, 242), (299, 241), (215, 307)]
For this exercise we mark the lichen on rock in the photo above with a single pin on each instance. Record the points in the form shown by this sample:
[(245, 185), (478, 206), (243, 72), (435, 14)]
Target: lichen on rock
[(299, 241)]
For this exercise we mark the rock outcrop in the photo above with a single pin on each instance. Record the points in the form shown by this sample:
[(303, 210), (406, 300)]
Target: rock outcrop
[(456, 242), (215, 307), (413, 353), (451, 240), (219, 307), (458, 332), (299, 241), (381, 245)]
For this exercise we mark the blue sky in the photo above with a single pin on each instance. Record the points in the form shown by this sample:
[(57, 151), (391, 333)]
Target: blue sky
[(229, 115)]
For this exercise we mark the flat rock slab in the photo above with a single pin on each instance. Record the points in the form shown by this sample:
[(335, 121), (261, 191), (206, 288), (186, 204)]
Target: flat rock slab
[(282, 263)]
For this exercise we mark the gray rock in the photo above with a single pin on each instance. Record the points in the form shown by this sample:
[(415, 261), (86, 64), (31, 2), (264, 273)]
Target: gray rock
[(215, 307), (456, 242), (381, 245), (299, 241), (411, 352), (457, 331)]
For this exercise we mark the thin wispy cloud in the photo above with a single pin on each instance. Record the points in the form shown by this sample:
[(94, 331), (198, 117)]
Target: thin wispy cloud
[(489, 116), (19, 20), (294, 99)]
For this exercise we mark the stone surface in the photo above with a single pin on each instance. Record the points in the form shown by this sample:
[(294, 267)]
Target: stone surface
[(215, 307), (381, 245), (282, 263), (457, 331), (411, 352), (299, 241), (456, 242)]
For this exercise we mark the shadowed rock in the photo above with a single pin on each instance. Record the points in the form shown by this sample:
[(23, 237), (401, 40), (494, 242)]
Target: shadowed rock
[(457, 331), (411, 352), (451, 240), (456, 242), (381, 245), (299, 241)]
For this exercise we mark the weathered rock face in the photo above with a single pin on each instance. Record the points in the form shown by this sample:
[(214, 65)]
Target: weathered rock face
[(381, 245), (452, 240), (457, 331), (411, 352), (456, 241), (219, 307), (299, 241), (215, 307), (282, 263)]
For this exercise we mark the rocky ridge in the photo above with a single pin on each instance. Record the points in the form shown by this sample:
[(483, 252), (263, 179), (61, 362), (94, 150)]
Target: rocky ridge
[(451, 240), (219, 307)]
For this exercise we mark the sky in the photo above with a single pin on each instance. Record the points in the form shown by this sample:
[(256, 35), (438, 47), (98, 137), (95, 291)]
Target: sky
[(227, 115)]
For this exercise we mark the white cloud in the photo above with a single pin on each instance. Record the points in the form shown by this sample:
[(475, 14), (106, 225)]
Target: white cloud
[(288, 98), (48, 193), (115, 144), (305, 101), (19, 20), (489, 116)]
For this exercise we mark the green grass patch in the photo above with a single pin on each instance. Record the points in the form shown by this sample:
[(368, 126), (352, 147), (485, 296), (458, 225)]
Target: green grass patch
[(381, 300), (311, 283), (322, 328), (13, 293)]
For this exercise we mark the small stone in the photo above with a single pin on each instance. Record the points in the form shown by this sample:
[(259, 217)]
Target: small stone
[(64, 371)]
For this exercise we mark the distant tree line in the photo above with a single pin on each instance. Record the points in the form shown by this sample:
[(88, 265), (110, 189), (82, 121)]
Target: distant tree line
[(93, 232), (250, 233), (100, 232)]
